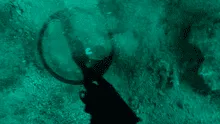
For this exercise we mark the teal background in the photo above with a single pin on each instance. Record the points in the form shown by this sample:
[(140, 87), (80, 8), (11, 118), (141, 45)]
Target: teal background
[(166, 65)]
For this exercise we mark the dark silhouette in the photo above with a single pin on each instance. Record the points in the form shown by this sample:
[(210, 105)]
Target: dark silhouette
[(103, 102)]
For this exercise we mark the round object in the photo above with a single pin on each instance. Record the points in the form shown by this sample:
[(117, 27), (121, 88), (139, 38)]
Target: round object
[(86, 53)]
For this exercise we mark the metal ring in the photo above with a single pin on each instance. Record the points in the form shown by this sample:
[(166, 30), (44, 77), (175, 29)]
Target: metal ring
[(101, 66)]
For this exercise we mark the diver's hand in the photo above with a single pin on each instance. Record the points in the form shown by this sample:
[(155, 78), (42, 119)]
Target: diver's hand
[(105, 105)]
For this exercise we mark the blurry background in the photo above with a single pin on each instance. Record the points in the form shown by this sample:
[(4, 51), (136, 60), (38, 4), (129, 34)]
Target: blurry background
[(166, 65)]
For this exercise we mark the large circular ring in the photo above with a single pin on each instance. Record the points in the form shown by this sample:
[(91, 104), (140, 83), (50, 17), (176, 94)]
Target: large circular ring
[(100, 67)]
